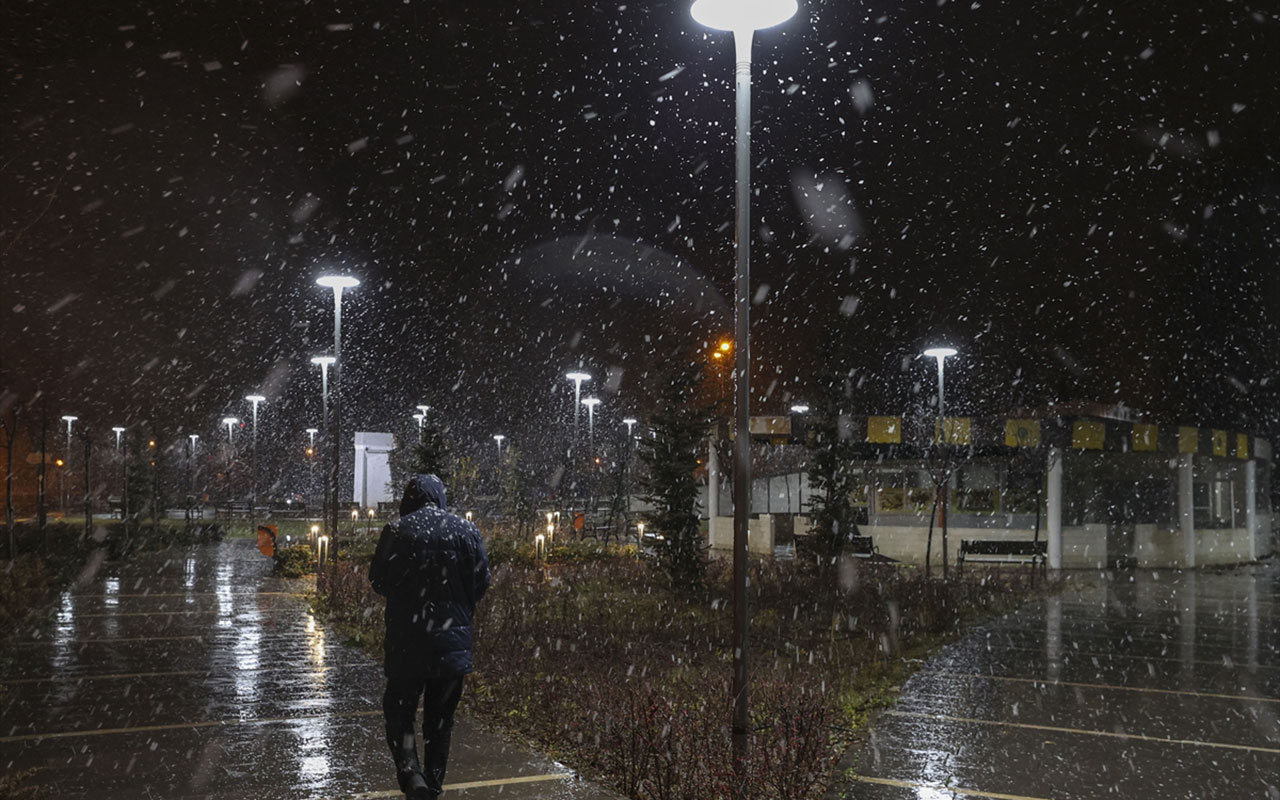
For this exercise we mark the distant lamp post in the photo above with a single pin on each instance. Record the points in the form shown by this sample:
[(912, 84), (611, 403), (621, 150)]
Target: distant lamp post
[(743, 19), (194, 438), (118, 432), (337, 283), (423, 409), (799, 408), (498, 437), (578, 378), (230, 422), (630, 422), (253, 464), (591, 403), (942, 354), (420, 418), (67, 468)]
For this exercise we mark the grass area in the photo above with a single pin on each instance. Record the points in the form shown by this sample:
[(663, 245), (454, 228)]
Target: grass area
[(593, 658)]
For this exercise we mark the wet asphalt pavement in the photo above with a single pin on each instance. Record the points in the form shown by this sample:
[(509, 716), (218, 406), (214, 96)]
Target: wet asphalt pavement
[(1135, 684), (197, 674)]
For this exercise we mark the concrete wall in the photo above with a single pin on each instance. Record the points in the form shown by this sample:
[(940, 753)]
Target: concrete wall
[(759, 535), (1082, 546)]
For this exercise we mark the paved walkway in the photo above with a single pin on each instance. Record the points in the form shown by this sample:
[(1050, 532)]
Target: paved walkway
[(196, 674), (1146, 684)]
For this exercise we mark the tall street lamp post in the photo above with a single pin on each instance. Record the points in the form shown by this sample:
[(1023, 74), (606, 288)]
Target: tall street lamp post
[(311, 470), (577, 378), (66, 466), (941, 354), (191, 472), (324, 362), (743, 19), (591, 403), (124, 483), (253, 465), (498, 437), (420, 417), (337, 283)]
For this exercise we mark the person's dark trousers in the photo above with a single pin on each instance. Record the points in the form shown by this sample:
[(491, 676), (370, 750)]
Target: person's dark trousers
[(439, 697)]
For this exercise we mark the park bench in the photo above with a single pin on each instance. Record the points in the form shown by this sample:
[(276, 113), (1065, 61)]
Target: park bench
[(1003, 551), (862, 547)]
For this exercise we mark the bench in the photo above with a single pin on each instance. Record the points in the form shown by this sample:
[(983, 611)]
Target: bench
[(1003, 551), (862, 547)]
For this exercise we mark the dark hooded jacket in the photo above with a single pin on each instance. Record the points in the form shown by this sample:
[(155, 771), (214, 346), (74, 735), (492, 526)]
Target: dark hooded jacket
[(432, 568)]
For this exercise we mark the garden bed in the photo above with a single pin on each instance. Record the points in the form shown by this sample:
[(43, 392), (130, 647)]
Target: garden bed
[(591, 657)]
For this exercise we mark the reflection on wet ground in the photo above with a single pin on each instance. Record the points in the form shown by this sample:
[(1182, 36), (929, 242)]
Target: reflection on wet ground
[(199, 675), (1132, 684)]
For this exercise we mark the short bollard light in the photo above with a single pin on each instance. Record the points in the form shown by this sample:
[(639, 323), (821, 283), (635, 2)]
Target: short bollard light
[(468, 516), (315, 531), (540, 547), (551, 533), (640, 528), (322, 551)]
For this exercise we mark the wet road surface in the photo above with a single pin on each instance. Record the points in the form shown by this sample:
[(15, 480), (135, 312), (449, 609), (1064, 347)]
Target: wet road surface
[(196, 674), (1136, 684)]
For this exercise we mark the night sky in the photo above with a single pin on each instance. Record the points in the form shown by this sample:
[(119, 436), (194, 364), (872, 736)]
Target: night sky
[(1082, 197)]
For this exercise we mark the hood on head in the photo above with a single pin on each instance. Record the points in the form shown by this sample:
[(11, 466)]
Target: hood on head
[(420, 491)]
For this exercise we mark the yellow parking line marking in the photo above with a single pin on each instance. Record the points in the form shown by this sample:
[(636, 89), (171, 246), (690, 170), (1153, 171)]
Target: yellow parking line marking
[(204, 672), (1144, 689), (108, 677), (1109, 734), (179, 726), (456, 787), (1087, 654), (187, 594), (77, 642), (954, 790)]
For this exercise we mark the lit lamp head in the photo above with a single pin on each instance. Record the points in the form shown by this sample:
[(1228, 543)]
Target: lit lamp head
[(229, 422), (69, 419), (498, 437), (799, 408), (254, 398), (323, 361), (338, 282), (578, 377), (742, 16), (591, 402), (940, 352), (419, 418), (424, 409)]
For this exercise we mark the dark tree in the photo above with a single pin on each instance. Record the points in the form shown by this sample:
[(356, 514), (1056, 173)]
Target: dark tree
[(679, 425), (831, 478), (429, 454)]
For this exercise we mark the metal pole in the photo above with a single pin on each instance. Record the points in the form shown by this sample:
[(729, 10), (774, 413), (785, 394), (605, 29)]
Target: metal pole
[(337, 412), (253, 476), (742, 415), (942, 440), (41, 474), (66, 467), (328, 433), (88, 502)]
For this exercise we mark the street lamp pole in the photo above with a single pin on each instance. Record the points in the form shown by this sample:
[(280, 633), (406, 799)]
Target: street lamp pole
[(337, 283), (941, 354), (743, 19), (124, 482), (66, 465), (324, 362), (230, 422), (577, 378), (498, 437), (591, 403), (191, 473), (253, 466)]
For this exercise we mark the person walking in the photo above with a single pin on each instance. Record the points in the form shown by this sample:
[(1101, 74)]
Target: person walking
[(432, 568)]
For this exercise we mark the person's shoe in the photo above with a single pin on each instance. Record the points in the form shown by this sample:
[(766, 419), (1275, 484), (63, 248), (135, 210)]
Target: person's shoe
[(413, 784)]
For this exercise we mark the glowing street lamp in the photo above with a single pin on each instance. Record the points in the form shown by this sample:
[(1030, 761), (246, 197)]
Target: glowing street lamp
[(253, 463), (591, 403), (498, 437), (420, 418), (743, 19), (941, 354), (337, 283), (63, 478), (230, 422), (118, 431), (630, 422), (799, 408), (577, 378)]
